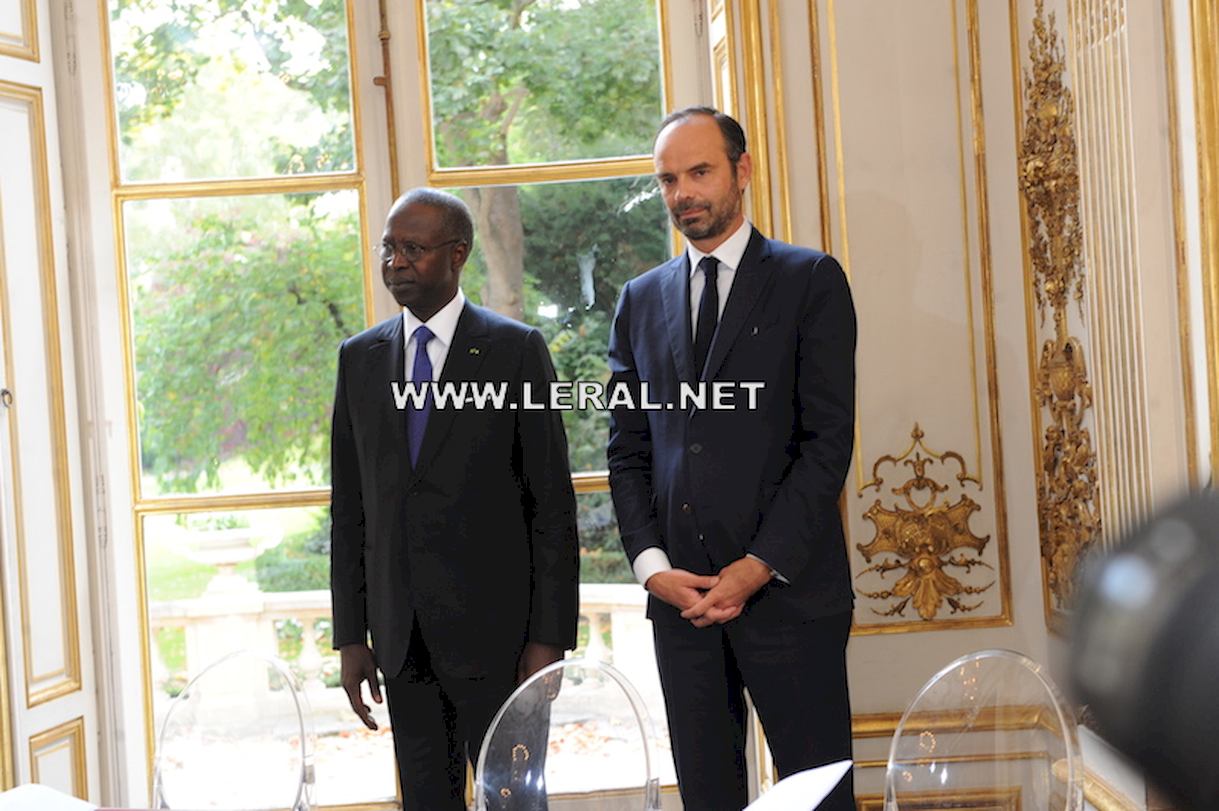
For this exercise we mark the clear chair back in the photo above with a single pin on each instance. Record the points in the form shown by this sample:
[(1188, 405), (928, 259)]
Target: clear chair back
[(577, 728), (239, 736), (990, 730)]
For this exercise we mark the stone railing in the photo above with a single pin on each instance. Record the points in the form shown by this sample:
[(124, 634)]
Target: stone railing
[(216, 624)]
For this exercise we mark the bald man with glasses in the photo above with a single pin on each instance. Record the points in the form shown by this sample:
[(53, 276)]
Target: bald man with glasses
[(453, 539)]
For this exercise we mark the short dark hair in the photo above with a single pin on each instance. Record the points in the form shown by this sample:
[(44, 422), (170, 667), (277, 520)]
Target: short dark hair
[(457, 222), (734, 136)]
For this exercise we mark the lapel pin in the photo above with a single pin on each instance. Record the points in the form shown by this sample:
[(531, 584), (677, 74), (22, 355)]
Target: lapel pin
[(755, 330), (474, 350)]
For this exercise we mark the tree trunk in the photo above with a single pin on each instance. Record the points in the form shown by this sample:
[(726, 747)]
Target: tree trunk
[(497, 220)]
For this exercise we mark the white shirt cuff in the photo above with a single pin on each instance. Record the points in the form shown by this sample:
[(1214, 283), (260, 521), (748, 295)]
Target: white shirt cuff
[(773, 573), (650, 561)]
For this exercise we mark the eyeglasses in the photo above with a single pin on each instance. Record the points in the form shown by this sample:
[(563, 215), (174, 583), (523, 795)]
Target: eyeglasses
[(411, 251)]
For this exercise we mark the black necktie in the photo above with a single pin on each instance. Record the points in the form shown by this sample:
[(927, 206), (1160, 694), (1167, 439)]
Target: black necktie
[(708, 313)]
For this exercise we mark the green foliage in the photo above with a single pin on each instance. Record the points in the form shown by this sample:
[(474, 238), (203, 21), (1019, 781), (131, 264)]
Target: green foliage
[(152, 74), (620, 222), (604, 565), (583, 635), (578, 353), (601, 556), (621, 227), (171, 644), (300, 562), (288, 637), (236, 330), (592, 66), (540, 80), (547, 80), (172, 576), (238, 307), (332, 674), (163, 51)]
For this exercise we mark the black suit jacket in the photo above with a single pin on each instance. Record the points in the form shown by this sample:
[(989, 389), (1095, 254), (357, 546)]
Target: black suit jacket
[(478, 541), (710, 486)]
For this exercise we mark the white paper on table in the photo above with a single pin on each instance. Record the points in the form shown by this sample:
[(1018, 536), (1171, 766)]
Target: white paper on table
[(802, 791), (35, 797)]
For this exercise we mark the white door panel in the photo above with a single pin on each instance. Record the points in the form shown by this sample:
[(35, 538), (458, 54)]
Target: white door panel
[(49, 658)]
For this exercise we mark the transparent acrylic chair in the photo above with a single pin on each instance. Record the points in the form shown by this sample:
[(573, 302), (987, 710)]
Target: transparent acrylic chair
[(989, 730), (239, 736), (575, 728)]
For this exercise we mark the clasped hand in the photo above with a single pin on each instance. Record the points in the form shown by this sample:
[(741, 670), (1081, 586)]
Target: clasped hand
[(709, 599)]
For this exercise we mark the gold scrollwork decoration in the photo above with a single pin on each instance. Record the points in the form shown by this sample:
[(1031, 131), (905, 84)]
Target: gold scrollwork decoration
[(924, 536), (1067, 490)]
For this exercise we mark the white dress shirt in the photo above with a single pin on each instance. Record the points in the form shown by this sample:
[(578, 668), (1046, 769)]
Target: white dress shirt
[(729, 254), (443, 325)]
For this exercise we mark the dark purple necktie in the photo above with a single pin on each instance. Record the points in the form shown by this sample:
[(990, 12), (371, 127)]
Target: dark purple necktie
[(708, 313), (421, 374)]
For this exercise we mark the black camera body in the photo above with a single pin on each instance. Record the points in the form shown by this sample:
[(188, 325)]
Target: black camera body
[(1144, 649)]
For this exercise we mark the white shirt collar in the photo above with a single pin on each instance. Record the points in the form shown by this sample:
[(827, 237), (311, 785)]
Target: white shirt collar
[(729, 252), (443, 324)]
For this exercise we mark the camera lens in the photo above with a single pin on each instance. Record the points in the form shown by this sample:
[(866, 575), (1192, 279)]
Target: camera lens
[(1145, 649)]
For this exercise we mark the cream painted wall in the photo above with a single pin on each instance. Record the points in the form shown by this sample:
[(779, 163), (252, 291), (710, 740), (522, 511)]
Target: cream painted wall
[(907, 170)]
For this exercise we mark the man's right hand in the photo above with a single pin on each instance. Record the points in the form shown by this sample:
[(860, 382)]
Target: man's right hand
[(680, 588), (357, 665)]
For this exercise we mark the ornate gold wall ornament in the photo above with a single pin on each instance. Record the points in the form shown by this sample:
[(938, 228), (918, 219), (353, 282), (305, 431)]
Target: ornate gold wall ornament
[(1067, 493), (921, 535)]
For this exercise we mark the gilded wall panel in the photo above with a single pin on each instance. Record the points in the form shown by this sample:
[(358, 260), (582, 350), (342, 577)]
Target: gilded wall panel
[(1204, 31), (990, 799), (1067, 490), (922, 535), (907, 215), (1086, 288)]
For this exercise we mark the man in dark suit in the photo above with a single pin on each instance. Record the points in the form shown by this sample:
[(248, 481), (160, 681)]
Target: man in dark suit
[(453, 536), (730, 517)]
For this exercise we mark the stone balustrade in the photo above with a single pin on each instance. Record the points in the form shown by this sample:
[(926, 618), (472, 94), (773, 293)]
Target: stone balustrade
[(215, 624)]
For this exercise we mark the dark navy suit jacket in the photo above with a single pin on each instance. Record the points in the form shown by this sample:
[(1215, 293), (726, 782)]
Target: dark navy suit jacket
[(710, 486), (478, 540)]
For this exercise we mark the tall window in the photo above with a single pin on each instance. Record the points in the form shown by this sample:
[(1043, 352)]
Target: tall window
[(239, 202), (242, 222), (541, 115)]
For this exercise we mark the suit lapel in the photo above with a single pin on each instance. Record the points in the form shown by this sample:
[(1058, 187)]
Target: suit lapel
[(675, 290), (470, 342), (387, 364), (752, 277)]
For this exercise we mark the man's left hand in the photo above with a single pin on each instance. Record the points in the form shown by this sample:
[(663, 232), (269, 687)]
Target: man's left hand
[(739, 581), (535, 657)]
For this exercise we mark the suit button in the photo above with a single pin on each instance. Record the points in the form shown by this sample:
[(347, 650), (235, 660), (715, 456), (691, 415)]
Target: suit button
[(685, 507), (700, 536), (696, 448)]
